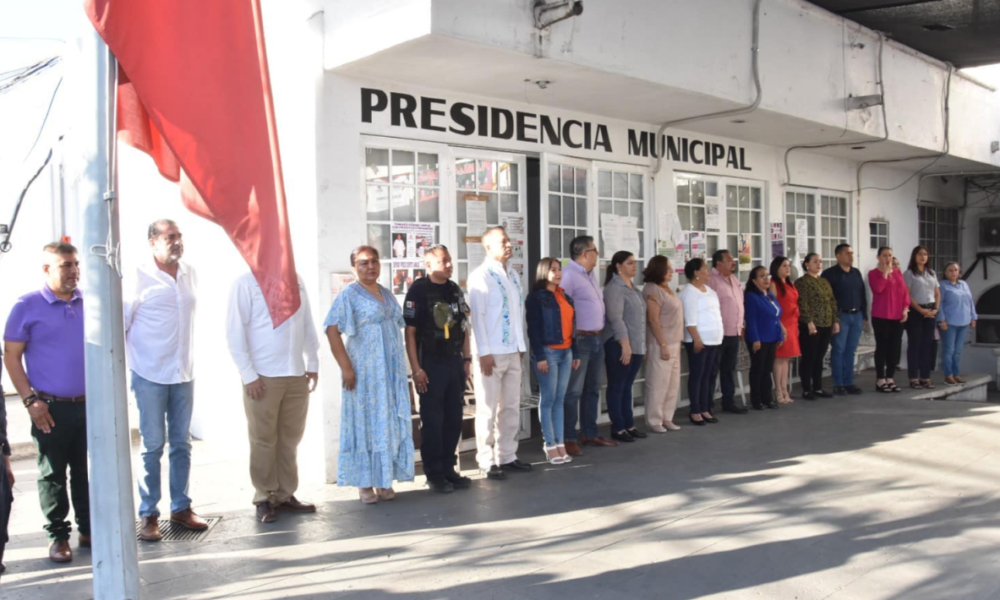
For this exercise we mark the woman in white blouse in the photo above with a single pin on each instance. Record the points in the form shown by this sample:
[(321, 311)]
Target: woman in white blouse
[(702, 338)]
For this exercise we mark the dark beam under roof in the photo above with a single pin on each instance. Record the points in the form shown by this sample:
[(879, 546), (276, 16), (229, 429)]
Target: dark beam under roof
[(965, 33)]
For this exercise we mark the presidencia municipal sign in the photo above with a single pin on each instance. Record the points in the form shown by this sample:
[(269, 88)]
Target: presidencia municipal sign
[(484, 122)]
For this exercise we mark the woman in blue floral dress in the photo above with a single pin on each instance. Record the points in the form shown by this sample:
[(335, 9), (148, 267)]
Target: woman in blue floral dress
[(376, 444)]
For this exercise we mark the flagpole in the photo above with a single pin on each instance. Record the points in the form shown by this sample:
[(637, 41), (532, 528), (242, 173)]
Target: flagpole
[(112, 511)]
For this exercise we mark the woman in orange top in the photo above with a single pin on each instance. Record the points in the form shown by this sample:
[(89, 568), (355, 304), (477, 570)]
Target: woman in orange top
[(551, 328), (788, 298)]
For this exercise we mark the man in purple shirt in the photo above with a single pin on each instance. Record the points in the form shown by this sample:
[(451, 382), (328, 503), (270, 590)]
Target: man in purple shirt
[(727, 286), (45, 328), (580, 284)]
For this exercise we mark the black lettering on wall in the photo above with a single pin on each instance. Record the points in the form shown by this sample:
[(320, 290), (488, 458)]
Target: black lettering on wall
[(502, 130), (695, 159), (566, 133), (372, 101), (718, 151), (427, 112), (461, 118), (523, 127), (403, 107), (550, 134), (483, 116)]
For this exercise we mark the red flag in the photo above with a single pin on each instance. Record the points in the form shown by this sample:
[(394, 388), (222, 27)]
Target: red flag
[(194, 93)]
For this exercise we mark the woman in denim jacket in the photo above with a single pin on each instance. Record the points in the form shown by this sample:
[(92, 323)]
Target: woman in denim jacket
[(551, 327)]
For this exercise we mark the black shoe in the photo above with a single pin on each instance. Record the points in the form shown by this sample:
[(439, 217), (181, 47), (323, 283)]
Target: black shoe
[(698, 423), (459, 482), (823, 394), (622, 437), (840, 391), (853, 389), (809, 396), (516, 465), (772, 405), (495, 472), (636, 433), (736, 410), (710, 419), (440, 486)]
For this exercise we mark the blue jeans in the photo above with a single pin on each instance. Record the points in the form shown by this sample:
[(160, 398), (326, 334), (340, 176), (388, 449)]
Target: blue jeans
[(843, 347), (952, 340), (584, 388), (620, 380), (156, 402), (552, 389)]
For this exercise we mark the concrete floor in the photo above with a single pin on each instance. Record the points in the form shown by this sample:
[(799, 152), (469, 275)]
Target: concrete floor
[(865, 497)]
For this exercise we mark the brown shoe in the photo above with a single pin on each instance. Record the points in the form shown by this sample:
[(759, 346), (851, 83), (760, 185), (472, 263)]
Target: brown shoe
[(188, 519), (294, 505), (265, 513), (150, 531), (60, 552), (600, 441), (84, 541), (573, 449)]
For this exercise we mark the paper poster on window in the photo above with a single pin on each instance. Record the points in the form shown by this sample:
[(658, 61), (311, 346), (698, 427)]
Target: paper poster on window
[(518, 265), (620, 233), (801, 237), (514, 223), (745, 253), (697, 244), (777, 239), (475, 214), (476, 254), (339, 281), (713, 219), (668, 249), (411, 240)]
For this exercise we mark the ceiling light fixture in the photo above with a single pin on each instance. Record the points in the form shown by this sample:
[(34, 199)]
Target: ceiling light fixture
[(738, 121), (858, 147)]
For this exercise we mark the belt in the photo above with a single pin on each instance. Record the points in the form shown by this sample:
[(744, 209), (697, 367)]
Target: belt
[(850, 311), (51, 398), (930, 305), (582, 333)]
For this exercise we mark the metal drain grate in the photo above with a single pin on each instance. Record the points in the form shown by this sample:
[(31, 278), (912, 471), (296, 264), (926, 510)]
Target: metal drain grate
[(172, 532)]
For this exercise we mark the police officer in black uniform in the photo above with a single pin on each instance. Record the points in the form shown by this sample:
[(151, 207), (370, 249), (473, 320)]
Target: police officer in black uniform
[(437, 345)]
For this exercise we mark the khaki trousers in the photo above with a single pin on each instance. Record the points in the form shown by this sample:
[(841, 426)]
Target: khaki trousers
[(663, 383), (276, 423), (498, 410)]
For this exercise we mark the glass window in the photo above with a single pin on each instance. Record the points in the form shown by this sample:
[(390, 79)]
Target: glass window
[(567, 208), (878, 234), (826, 220), (624, 197), (401, 186), (939, 232), (745, 227)]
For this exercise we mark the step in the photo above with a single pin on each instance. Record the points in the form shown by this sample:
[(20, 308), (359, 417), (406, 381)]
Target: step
[(973, 390)]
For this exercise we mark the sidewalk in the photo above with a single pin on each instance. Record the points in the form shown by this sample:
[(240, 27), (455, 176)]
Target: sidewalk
[(872, 496)]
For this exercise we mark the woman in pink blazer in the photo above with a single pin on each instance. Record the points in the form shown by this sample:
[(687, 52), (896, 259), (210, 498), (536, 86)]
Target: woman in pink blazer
[(890, 308)]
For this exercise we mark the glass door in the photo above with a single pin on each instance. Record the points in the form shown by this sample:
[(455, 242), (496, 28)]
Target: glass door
[(566, 203)]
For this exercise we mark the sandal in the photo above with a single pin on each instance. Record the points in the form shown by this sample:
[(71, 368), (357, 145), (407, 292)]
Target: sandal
[(552, 453), (927, 384), (368, 496), (386, 494), (916, 384), (566, 458), (884, 388), (893, 387)]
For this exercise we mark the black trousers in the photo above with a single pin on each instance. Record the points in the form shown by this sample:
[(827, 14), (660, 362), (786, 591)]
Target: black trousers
[(64, 447), (441, 415), (888, 343), (701, 377), (920, 347), (725, 369), (761, 364), (6, 498), (813, 349)]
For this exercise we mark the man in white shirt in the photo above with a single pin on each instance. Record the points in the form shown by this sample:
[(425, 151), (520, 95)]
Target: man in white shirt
[(497, 303), (280, 368), (159, 335)]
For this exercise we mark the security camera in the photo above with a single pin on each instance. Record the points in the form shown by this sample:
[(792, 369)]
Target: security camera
[(566, 10)]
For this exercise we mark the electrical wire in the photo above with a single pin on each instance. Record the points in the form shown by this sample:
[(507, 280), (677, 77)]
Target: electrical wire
[(936, 157), (28, 73), (6, 246), (45, 119), (755, 69), (885, 119)]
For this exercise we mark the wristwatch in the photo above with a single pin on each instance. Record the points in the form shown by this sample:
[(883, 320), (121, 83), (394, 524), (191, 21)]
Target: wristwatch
[(30, 400), (466, 359)]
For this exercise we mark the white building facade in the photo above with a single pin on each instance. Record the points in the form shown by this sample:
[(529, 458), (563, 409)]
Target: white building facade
[(408, 117)]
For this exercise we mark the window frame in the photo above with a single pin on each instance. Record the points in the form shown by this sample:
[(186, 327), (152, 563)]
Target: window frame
[(880, 237), (817, 238), (933, 244)]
